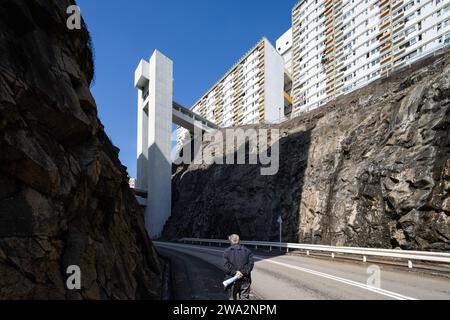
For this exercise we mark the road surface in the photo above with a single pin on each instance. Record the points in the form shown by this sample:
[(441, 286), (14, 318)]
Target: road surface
[(293, 277)]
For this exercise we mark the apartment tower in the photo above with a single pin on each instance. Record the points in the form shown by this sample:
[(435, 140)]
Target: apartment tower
[(342, 45), (251, 92)]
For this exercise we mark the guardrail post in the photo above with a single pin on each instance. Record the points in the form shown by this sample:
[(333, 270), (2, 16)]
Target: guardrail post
[(332, 255), (270, 248), (410, 264), (307, 252), (364, 259), (256, 247), (287, 250)]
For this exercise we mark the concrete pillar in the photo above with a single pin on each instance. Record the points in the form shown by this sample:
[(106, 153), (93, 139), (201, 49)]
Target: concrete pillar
[(154, 169)]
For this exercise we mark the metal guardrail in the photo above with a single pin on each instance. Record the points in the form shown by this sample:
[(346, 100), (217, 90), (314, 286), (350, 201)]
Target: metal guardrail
[(410, 256)]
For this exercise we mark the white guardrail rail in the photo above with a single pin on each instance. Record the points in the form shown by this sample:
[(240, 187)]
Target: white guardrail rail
[(410, 256)]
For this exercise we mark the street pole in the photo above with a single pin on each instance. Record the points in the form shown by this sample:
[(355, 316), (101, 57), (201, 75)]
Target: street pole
[(280, 222), (279, 115)]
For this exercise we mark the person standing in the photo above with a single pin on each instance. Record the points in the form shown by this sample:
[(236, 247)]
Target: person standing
[(238, 261)]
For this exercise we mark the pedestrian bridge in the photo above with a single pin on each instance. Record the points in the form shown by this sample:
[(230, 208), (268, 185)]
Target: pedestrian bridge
[(188, 119)]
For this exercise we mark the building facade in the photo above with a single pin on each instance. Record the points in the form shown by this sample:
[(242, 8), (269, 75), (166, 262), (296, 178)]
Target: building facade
[(251, 92), (284, 48), (342, 45)]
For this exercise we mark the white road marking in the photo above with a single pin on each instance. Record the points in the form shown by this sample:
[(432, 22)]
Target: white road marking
[(380, 291)]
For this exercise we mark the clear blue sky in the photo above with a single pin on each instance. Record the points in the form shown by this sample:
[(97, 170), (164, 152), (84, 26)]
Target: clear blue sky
[(204, 38)]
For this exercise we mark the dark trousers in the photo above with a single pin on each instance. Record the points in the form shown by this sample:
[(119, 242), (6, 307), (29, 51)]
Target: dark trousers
[(240, 290)]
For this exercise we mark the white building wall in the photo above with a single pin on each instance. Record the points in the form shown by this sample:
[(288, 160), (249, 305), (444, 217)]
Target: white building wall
[(284, 48), (274, 85), (142, 73), (159, 199), (155, 83), (142, 154)]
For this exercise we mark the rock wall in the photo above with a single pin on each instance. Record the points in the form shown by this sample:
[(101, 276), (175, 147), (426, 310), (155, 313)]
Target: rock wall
[(369, 169), (64, 195)]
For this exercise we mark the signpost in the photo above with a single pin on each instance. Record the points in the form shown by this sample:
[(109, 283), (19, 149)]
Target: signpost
[(280, 222)]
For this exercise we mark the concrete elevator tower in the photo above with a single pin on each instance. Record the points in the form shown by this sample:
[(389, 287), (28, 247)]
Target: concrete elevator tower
[(154, 81)]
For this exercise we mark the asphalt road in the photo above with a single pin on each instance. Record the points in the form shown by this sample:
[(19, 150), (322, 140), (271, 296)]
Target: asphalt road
[(293, 277)]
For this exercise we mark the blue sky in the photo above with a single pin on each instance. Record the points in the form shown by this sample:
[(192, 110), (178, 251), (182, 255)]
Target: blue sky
[(204, 38)]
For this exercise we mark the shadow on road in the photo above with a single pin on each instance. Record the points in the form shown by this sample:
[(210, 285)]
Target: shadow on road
[(192, 278)]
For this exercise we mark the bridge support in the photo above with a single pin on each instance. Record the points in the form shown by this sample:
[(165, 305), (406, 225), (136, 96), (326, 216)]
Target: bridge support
[(156, 113), (154, 168)]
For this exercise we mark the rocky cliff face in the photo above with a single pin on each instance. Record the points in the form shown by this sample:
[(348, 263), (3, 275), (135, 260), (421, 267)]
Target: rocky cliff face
[(64, 196), (370, 169)]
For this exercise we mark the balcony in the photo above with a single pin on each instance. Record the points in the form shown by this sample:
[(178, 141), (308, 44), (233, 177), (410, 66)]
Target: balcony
[(399, 52), (385, 47), (340, 84), (396, 41), (328, 41), (328, 12), (329, 60), (337, 4), (327, 51), (384, 25), (400, 15), (330, 90), (398, 28), (329, 22), (339, 34), (385, 12), (339, 54), (329, 31), (382, 3), (330, 70), (330, 80), (384, 36), (388, 58), (396, 4), (327, 4)]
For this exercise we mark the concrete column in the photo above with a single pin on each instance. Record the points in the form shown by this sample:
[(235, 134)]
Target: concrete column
[(159, 198), (142, 143), (154, 139)]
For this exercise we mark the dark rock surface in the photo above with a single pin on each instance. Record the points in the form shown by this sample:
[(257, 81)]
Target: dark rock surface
[(369, 169), (64, 195)]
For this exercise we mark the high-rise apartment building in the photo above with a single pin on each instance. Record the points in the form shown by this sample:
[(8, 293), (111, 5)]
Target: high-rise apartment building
[(342, 45), (251, 92)]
